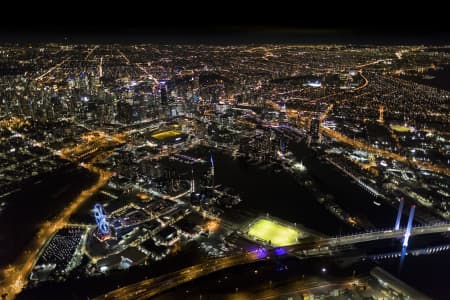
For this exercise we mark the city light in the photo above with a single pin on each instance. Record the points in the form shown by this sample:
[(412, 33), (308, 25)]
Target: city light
[(273, 233), (236, 160)]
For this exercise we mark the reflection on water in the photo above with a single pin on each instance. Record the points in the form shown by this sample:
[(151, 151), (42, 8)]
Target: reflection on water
[(436, 78), (278, 193)]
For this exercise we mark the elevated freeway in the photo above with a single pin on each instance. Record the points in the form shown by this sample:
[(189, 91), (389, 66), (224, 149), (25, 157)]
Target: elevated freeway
[(154, 286)]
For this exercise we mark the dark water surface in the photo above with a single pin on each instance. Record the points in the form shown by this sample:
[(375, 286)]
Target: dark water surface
[(279, 194)]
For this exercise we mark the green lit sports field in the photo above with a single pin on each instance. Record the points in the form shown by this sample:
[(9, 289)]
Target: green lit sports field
[(166, 134), (278, 234)]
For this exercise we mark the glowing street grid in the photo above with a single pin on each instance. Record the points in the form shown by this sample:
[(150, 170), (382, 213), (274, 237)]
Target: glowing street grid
[(166, 134), (277, 234)]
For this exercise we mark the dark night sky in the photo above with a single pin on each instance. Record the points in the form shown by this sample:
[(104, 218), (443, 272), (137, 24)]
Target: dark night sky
[(224, 21)]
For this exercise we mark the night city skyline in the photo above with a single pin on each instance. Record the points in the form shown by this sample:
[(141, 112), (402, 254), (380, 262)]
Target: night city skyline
[(260, 159)]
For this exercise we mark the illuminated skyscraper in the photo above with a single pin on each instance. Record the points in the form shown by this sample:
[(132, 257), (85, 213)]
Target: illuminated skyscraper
[(314, 129), (164, 99)]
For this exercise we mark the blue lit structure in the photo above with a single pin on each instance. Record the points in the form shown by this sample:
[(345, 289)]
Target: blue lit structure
[(282, 145), (100, 219), (406, 237), (212, 170), (212, 161), (280, 251), (408, 228), (399, 214), (261, 253)]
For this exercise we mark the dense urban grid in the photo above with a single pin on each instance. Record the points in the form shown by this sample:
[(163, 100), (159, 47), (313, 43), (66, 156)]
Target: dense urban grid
[(128, 145)]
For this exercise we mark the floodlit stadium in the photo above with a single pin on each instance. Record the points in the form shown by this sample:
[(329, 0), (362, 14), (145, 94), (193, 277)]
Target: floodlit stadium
[(400, 128), (166, 134), (273, 232)]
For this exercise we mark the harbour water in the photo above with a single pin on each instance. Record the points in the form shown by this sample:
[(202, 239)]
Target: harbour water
[(280, 195), (271, 190), (436, 78)]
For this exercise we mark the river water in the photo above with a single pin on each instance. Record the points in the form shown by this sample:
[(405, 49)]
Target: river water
[(427, 273), (278, 193), (281, 196), (439, 78)]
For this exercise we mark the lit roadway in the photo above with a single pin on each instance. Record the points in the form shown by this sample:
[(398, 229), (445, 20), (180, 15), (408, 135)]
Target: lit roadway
[(387, 234), (366, 82), (138, 66), (15, 276), (151, 287), (90, 52), (382, 152), (52, 69)]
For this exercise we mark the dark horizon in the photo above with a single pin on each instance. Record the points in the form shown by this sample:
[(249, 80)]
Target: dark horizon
[(230, 22), (228, 35), (230, 17)]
